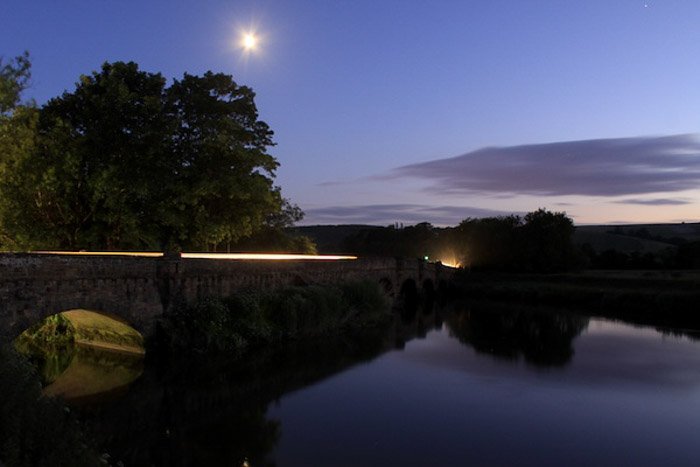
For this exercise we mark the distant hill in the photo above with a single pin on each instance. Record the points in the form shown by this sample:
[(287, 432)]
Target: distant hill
[(330, 239), (643, 238)]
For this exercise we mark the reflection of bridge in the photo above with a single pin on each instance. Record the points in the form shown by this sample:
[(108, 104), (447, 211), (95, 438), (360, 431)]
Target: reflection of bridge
[(140, 289), (181, 405)]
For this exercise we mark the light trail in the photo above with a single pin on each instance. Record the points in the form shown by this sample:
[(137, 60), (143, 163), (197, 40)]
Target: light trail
[(151, 254), (230, 256), (266, 256)]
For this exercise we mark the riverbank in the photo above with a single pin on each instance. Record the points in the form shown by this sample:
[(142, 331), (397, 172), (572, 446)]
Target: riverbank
[(263, 317), (658, 298)]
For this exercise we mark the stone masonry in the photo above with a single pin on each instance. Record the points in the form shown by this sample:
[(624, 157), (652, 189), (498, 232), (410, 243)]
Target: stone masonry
[(141, 289)]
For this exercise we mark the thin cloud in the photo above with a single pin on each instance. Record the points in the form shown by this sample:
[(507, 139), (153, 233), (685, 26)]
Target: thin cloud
[(601, 167), (656, 202), (384, 214)]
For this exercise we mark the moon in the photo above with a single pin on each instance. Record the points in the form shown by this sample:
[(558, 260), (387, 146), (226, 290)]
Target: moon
[(249, 41)]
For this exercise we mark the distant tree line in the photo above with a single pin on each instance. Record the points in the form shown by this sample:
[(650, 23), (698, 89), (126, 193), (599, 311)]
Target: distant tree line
[(684, 256), (541, 241), (125, 161)]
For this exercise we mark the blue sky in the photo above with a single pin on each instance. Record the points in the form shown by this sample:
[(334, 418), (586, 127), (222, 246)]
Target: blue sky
[(402, 111)]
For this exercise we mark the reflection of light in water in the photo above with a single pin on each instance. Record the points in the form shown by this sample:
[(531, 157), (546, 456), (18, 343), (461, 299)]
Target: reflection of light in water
[(95, 375), (83, 356), (239, 256)]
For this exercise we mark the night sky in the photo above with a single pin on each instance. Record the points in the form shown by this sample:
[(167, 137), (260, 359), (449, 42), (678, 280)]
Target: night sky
[(410, 111)]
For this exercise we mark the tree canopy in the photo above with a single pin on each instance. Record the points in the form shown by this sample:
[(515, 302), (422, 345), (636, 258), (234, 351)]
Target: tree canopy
[(14, 78), (125, 161), (17, 127), (541, 241)]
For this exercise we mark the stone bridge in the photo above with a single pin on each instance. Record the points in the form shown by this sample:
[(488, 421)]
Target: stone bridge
[(141, 289)]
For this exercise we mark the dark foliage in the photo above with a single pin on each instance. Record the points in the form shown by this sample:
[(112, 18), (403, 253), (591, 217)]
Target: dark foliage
[(542, 242), (664, 299), (488, 243), (276, 236), (126, 162), (256, 317), (688, 256), (541, 337), (685, 256), (415, 241), (14, 78)]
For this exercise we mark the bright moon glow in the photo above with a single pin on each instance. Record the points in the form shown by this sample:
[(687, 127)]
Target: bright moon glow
[(249, 41)]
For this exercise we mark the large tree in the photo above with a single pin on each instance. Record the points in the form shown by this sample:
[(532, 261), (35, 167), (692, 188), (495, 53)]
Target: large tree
[(546, 241), (487, 243), (18, 121), (14, 78), (125, 161), (542, 242)]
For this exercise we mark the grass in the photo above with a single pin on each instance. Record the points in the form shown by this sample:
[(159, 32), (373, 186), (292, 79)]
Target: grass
[(82, 327), (104, 331)]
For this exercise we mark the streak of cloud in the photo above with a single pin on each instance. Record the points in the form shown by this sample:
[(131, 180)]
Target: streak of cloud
[(600, 167), (656, 202)]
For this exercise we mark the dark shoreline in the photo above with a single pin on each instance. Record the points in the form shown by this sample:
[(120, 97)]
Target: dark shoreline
[(665, 299)]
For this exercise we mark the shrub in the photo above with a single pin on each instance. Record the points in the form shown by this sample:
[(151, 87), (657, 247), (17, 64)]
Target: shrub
[(258, 317)]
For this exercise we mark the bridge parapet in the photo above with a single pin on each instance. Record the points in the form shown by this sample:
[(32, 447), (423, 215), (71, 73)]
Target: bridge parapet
[(141, 289)]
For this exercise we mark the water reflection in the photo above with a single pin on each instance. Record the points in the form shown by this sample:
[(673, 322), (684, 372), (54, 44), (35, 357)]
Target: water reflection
[(628, 396), (83, 375), (213, 411), (357, 400), (541, 337)]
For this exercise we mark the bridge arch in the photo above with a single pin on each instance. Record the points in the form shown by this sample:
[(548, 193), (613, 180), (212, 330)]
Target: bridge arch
[(32, 315), (85, 327)]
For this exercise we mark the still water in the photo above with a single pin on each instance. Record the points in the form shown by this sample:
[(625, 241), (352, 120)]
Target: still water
[(483, 386)]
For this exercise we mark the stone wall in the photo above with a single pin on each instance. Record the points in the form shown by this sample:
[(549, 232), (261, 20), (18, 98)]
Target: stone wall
[(140, 289)]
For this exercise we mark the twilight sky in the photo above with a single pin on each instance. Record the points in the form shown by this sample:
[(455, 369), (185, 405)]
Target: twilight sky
[(410, 110)]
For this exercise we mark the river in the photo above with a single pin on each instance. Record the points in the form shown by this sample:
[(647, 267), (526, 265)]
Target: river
[(485, 385)]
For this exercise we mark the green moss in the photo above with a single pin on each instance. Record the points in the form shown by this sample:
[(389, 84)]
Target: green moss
[(53, 332), (89, 326)]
